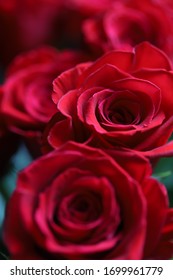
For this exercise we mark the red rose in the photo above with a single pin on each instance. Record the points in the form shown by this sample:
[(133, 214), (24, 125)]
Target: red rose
[(26, 24), (71, 17), (122, 99), (78, 203), (126, 24), (27, 104)]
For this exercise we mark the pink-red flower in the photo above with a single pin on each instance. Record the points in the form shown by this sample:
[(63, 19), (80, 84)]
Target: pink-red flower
[(26, 24), (122, 99), (125, 24), (26, 104), (79, 203)]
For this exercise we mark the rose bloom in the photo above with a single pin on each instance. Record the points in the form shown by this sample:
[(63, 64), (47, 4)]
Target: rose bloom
[(79, 203), (122, 99), (70, 20), (25, 24), (123, 25), (27, 104)]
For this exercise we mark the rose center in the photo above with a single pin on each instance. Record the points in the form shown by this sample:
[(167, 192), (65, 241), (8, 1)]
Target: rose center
[(81, 205), (85, 208), (80, 208), (122, 116)]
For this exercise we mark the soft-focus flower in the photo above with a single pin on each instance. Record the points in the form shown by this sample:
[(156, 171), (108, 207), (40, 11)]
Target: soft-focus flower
[(27, 104), (25, 24), (79, 203), (123, 25)]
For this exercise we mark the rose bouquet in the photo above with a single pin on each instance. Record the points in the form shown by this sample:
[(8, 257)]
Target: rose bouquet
[(86, 119)]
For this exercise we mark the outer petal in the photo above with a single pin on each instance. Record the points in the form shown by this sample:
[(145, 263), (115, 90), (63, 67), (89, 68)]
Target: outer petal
[(143, 52), (161, 151), (164, 248), (67, 81), (157, 207), (163, 80), (121, 60)]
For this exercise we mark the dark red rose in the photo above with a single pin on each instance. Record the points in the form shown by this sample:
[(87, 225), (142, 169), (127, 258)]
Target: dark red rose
[(79, 203), (27, 104), (70, 21), (124, 25), (25, 24), (122, 99)]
